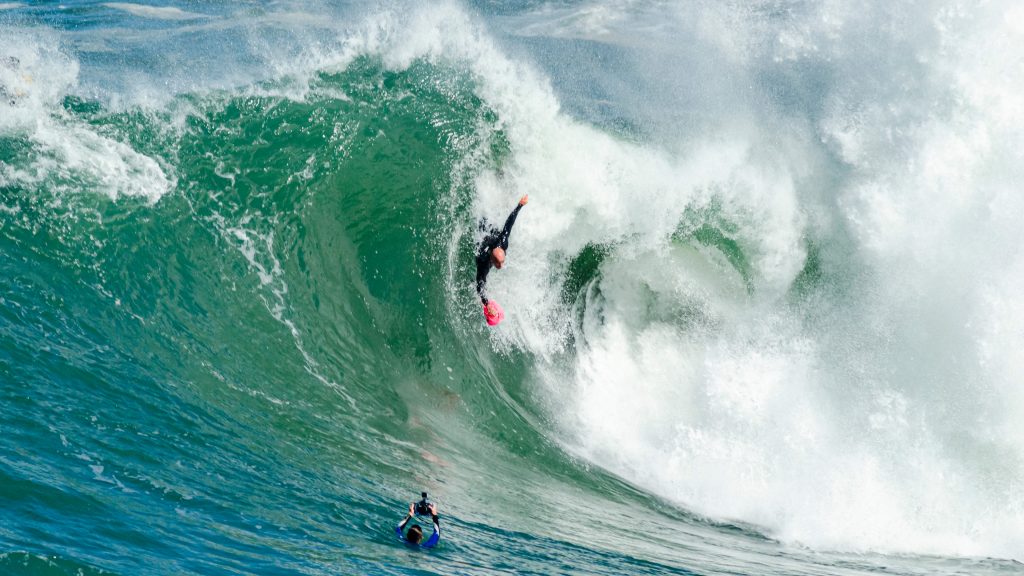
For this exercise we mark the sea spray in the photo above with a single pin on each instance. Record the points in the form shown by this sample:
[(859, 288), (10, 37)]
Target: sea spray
[(857, 397), (64, 156), (861, 412)]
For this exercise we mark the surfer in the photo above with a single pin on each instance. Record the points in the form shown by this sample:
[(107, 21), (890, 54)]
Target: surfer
[(415, 534), (491, 252)]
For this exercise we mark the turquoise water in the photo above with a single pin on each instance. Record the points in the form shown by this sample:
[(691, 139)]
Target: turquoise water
[(761, 306)]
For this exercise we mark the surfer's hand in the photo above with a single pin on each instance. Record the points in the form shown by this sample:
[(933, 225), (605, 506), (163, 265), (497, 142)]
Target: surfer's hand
[(412, 509), (524, 199), (433, 509)]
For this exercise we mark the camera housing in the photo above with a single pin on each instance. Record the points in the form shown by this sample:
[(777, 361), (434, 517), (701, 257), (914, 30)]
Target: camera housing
[(423, 506)]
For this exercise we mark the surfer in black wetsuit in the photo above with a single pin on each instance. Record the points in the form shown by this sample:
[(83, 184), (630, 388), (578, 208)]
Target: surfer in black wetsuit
[(491, 251), (415, 534)]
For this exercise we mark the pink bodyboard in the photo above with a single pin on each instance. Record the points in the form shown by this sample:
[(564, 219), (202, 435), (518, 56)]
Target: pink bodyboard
[(493, 313)]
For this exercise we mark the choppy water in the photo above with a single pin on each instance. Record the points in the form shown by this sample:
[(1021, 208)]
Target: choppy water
[(764, 306)]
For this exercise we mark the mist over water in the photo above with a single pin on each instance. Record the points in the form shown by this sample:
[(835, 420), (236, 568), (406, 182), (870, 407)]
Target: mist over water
[(763, 308)]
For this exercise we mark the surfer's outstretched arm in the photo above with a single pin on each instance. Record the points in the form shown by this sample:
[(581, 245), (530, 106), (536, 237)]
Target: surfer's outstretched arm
[(507, 230)]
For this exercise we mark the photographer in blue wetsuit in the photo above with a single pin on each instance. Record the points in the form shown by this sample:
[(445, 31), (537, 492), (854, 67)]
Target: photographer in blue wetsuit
[(415, 534), (491, 251)]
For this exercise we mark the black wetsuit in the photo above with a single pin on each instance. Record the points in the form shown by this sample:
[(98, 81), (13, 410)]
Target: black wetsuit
[(494, 239)]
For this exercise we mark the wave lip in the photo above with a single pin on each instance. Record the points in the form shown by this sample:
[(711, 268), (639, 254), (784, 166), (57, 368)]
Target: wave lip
[(65, 155)]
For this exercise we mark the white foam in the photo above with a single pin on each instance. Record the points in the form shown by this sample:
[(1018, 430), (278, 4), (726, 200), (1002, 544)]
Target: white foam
[(68, 157), (882, 413), (893, 425), (89, 161)]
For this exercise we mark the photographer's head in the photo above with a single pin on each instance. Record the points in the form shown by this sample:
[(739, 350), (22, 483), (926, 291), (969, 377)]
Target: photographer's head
[(415, 534)]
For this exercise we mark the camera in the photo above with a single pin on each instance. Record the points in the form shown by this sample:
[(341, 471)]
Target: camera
[(422, 507)]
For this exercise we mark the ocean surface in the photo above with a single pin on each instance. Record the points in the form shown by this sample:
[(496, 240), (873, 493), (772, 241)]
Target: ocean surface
[(764, 308)]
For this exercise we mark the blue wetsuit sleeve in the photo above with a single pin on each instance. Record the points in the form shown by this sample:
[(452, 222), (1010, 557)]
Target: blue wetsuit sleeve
[(436, 536), (401, 525)]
